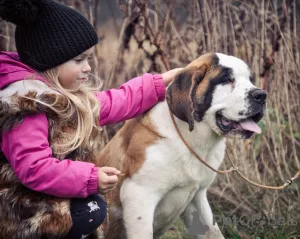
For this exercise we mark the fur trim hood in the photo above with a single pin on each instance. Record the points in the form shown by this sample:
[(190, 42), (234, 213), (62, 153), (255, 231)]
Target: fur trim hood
[(18, 81)]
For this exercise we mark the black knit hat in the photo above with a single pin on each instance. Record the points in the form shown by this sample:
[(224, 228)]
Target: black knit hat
[(48, 33)]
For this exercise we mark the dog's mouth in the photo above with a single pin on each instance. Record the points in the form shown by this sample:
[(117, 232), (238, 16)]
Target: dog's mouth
[(248, 125)]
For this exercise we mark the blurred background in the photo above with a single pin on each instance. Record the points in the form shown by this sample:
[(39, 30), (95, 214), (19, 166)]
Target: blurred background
[(139, 36)]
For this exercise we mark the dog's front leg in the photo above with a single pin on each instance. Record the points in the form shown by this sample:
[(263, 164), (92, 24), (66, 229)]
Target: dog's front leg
[(139, 204), (198, 218), (206, 216)]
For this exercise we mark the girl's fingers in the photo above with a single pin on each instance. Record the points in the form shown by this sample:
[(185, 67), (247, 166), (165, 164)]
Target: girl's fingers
[(108, 185), (111, 179), (104, 191), (110, 170)]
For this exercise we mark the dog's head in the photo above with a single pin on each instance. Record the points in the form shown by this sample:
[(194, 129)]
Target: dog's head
[(217, 89)]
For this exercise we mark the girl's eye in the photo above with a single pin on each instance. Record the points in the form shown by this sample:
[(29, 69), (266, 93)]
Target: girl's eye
[(78, 59)]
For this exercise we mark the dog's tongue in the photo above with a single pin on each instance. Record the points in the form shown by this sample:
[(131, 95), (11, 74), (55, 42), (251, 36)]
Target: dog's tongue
[(250, 125)]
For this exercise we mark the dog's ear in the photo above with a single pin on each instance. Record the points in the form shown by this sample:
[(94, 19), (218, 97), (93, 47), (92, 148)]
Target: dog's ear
[(180, 93)]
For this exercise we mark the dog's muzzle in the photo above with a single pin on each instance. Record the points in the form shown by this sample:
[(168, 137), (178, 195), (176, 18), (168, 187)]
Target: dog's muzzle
[(256, 101)]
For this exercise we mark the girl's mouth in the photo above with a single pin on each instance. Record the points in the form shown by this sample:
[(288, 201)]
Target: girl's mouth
[(83, 79)]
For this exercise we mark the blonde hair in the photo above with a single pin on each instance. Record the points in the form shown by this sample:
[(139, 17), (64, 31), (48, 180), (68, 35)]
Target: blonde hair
[(82, 104)]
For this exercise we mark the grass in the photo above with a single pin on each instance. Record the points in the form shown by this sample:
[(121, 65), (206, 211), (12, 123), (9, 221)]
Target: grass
[(230, 231)]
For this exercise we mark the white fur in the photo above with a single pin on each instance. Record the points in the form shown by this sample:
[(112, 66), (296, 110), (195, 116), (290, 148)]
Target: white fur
[(22, 88), (172, 181), (170, 178)]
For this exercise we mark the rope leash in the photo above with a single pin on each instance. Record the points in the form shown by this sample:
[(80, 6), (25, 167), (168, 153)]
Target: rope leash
[(233, 168)]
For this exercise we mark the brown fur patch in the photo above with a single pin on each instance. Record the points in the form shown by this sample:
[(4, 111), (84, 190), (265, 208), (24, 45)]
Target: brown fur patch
[(189, 86), (126, 152), (130, 142), (210, 74), (202, 67)]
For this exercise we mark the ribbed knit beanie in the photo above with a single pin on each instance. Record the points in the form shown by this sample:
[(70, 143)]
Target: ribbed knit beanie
[(48, 33)]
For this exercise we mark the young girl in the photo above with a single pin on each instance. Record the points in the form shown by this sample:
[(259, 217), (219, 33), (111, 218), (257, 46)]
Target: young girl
[(50, 114)]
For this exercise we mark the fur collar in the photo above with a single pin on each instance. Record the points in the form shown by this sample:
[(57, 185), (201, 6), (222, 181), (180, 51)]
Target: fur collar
[(14, 105)]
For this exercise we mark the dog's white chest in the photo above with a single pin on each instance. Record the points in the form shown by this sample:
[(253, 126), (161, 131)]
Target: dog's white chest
[(171, 174), (173, 163)]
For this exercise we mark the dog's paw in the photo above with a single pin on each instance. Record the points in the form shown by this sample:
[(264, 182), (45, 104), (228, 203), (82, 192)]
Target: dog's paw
[(214, 233)]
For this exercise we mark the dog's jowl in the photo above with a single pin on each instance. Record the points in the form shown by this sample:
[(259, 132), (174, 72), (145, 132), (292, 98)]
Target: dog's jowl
[(211, 99)]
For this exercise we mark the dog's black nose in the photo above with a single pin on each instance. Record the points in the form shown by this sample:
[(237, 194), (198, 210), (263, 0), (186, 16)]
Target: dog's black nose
[(258, 95)]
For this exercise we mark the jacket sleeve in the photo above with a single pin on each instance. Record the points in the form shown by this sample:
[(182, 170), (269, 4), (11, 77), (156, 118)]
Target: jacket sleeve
[(131, 99), (27, 149)]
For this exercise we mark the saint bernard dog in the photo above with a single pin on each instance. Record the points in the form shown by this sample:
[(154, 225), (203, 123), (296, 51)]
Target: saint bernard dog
[(212, 98)]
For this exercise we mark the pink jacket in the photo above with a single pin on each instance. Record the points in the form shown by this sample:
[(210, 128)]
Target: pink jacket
[(27, 148)]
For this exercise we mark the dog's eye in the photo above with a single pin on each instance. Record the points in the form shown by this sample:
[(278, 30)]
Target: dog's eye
[(227, 80)]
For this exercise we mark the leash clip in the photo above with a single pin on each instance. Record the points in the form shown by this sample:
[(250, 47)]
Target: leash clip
[(233, 168), (288, 182)]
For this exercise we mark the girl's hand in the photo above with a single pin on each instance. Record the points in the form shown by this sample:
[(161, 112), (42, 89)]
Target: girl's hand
[(107, 179), (169, 76)]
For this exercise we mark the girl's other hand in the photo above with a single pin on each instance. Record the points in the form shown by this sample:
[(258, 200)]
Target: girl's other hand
[(169, 76), (107, 179)]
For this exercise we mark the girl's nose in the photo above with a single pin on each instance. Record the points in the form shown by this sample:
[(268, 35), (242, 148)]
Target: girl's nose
[(86, 68)]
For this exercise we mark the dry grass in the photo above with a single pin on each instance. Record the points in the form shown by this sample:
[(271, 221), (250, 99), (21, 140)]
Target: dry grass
[(158, 35)]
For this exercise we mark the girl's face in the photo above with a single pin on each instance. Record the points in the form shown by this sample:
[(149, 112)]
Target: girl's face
[(73, 72)]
